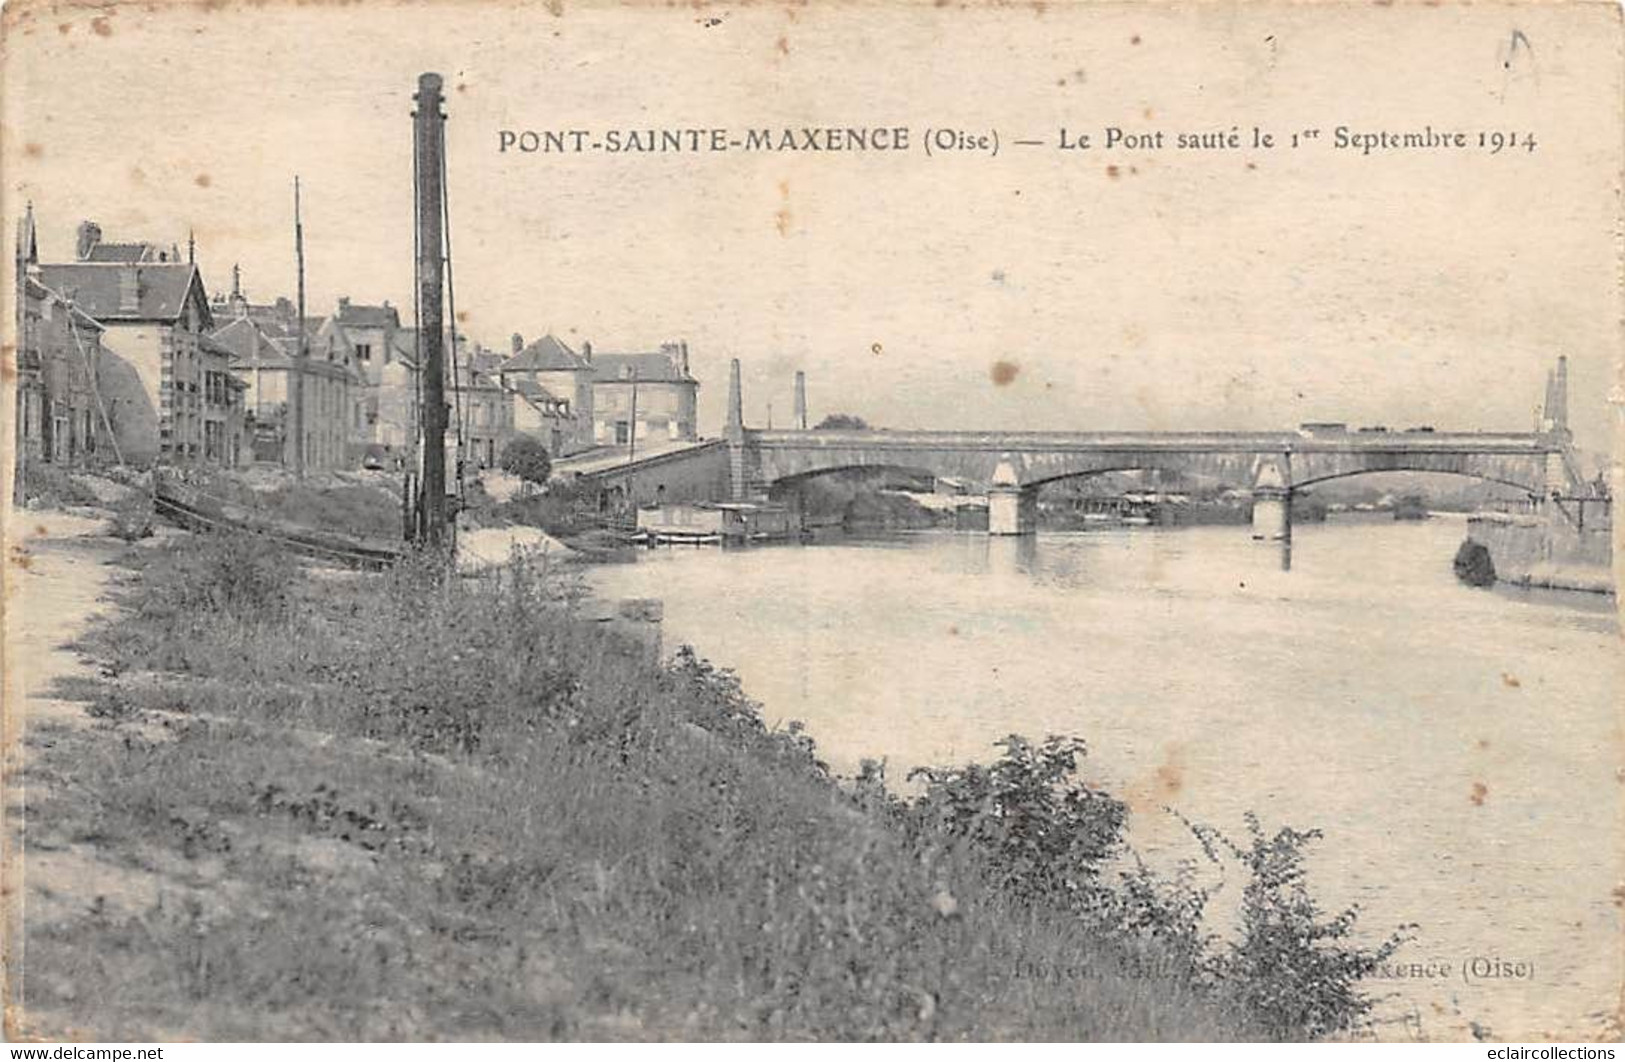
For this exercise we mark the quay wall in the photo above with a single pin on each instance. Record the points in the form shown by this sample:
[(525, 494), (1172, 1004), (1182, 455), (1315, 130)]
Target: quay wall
[(1547, 550)]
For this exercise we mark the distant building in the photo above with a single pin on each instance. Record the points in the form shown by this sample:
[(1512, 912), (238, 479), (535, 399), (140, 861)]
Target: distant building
[(542, 415), (395, 430), (485, 406), (264, 342), (555, 378), (155, 315), (653, 387), (372, 331), (76, 401), (375, 335)]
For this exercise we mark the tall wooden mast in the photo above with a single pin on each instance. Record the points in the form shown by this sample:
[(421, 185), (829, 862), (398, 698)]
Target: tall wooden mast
[(429, 141), (301, 362)]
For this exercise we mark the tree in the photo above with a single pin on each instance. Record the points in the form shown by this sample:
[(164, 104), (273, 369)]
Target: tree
[(842, 422), (527, 459)]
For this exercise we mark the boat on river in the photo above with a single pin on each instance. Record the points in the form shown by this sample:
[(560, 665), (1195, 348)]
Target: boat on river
[(713, 523)]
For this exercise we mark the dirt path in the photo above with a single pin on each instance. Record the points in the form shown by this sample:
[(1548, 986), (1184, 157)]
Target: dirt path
[(56, 574)]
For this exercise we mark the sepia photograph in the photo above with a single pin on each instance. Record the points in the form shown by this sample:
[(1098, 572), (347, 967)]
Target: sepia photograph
[(603, 520)]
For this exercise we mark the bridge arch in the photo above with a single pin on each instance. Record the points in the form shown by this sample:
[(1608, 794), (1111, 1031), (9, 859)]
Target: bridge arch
[(1167, 468), (797, 479), (1482, 477)]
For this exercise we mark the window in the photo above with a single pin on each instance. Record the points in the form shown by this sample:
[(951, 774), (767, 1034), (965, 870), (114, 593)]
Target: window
[(363, 351), (623, 432)]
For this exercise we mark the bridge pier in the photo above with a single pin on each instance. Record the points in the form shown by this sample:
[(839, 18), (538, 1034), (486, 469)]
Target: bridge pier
[(1272, 515), (1272, 505), (1011, 508)]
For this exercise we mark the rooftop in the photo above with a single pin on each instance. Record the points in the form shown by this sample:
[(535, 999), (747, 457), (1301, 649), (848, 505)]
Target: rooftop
[(661, 366), (100, 289), (132, 252), (547, 353), (354, 315)]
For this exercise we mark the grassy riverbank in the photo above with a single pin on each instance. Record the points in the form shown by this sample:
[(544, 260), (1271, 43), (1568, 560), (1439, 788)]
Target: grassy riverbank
[(408, 806)]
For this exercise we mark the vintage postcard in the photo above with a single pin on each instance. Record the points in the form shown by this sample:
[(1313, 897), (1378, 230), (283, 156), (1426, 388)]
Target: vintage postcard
[(812, 521)]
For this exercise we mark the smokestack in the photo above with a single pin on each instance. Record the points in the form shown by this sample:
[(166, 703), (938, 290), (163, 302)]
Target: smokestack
[(90, 234), (799, 420), (586, 350), (1554, 413), (736, 404), (1560, 395), (683, 347)]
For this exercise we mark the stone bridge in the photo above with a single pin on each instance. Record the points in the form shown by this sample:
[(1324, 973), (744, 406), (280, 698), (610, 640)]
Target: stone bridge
[(1014, 465), (1271, 464)]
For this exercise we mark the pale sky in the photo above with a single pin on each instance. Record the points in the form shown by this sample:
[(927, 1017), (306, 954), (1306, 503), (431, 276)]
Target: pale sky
[(1235, 289)]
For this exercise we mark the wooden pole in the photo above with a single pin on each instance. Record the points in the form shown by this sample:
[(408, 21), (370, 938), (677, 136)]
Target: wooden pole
[(301, 363), (429, 139)]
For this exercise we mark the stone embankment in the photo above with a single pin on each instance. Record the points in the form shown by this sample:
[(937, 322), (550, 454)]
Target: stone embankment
[(1547, 550)]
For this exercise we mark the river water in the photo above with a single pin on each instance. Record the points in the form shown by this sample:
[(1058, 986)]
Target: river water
[(1459, 748)]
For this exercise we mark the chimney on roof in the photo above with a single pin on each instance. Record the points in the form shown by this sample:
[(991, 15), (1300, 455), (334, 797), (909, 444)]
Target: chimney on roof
[(800, 416), (682, 348), (129, 289), (90, 234), (517, 342), (344, 303), (27, 243), (586, 350)]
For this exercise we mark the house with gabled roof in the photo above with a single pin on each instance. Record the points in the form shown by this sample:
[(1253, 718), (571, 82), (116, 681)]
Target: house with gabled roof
[(155, 314), (76, 401), (650, 393), (548, 367)]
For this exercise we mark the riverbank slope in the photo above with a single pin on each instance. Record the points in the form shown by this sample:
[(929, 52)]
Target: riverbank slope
[(301, 803)]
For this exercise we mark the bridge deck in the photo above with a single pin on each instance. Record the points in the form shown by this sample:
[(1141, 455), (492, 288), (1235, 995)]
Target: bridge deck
[(1235, 442), (606, 460)]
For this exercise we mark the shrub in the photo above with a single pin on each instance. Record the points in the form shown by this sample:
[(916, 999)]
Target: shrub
[(556, 509), (1047, 833), (1291, 966), (236, 573), (842, 422), (54, 486), (132, 517), (527, 458)]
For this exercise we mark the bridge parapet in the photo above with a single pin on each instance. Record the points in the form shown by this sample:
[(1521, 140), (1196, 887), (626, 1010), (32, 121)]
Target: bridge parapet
[(1271, 441)]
